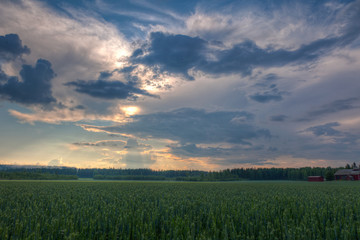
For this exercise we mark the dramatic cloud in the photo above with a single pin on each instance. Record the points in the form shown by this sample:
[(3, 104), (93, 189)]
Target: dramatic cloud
[(172, 53), (180, 53), (266, 82), (35, 87), (108, 89), (35, 84), (11, 47), (188, 125)]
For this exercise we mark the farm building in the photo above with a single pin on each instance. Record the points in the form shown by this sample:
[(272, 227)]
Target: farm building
[(347, 174), (315, 178)]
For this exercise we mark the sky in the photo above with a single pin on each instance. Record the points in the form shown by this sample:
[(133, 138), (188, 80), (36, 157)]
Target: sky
[(205, 85)]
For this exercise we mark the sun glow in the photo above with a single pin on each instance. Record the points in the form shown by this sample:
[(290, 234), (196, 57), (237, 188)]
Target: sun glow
[(130, 110)]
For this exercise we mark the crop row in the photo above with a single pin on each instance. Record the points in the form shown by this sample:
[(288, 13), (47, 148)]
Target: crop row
[(165, 210)]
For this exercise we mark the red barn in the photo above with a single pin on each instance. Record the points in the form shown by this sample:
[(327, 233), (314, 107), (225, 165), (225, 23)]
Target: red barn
[(347, 174), (315, 178)]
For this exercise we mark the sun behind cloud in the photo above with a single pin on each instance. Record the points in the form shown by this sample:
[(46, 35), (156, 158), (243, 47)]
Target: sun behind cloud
[(130, 110)]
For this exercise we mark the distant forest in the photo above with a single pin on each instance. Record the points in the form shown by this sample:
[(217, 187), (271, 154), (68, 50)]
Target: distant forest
[(237, 174), (27, 175)]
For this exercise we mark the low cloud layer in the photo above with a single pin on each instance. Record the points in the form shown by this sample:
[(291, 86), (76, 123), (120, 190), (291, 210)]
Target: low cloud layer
[(189, 125)]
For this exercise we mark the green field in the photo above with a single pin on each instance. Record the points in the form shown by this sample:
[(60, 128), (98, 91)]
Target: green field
[(173, 210)]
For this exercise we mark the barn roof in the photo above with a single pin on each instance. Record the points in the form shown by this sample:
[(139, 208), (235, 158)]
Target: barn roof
[(347, 172)]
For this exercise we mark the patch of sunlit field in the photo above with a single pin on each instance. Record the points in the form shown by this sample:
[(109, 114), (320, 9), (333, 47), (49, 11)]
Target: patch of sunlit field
[(173, 210)]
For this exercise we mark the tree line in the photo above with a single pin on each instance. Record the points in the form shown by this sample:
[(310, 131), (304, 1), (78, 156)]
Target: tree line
[(236, 174), (34, 176)]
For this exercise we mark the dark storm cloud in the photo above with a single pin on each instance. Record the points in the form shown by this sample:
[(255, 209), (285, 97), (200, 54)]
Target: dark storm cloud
[(325, 130), (11, 47), (335, 106), (278, 118), (173, 53), (35, 84), (108, 89), (35, 87), (189, 125)]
